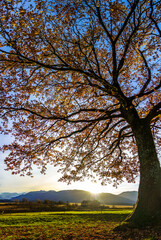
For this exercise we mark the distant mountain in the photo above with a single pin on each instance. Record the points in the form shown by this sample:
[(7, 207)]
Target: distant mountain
[(77, 196), (112, 199), (8, 195), (132, 195), (66, 195)]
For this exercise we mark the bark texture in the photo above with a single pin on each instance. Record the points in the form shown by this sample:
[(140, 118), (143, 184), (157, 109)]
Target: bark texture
[(148, 207)]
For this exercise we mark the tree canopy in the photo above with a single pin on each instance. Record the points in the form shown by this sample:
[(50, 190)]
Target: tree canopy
[(76, 77)]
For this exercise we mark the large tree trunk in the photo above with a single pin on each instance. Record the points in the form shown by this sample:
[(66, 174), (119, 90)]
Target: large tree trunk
[(148, 207)]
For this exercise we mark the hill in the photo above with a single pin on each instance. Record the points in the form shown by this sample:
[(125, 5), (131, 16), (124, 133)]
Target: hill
[(112, 199), (77, 196), (65, 195), (8, 195), (132, 195)]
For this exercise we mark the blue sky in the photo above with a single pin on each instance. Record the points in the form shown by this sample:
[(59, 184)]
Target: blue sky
[(15, 183)]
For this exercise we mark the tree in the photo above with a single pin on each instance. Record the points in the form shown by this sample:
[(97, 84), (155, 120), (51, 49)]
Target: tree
[(90, 204), (80, 88)]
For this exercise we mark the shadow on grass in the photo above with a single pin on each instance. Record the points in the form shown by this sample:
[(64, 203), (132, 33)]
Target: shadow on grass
[(108, 217)]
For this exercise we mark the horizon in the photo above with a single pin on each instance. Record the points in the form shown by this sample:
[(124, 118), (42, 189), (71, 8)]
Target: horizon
[(19, 184), (42, 190)]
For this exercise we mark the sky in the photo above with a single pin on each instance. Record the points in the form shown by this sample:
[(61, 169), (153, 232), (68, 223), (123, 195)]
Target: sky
[(19, 184)]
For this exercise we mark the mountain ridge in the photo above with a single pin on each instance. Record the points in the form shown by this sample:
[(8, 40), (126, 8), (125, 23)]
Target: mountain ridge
[(77, 196), (9, 195)]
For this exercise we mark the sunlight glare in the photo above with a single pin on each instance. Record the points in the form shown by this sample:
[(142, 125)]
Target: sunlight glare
[(93, 188)]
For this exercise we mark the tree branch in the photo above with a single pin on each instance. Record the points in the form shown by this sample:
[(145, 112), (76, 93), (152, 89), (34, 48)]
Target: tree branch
[(153, 20), (149, 73), (156, 110), (127, 19), (103, 25)]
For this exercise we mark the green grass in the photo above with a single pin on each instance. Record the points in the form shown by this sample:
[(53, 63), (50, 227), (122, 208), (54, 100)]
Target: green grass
[(67, 226), (23, 219)]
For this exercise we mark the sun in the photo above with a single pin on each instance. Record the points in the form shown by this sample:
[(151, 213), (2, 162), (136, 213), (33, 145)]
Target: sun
[(93, 188)]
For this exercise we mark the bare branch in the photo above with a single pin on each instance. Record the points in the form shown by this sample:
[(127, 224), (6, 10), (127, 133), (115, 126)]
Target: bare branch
[(156, 111), (127, 19), (152, 18), (149, 73)]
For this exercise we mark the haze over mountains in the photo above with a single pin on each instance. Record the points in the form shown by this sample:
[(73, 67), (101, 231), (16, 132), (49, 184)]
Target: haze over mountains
[(8, 195), (75, 196)]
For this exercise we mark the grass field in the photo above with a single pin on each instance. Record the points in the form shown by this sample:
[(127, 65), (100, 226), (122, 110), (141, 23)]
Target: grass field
[(70, 226)]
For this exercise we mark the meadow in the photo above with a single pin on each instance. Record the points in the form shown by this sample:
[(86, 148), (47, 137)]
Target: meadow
[(71, 225)]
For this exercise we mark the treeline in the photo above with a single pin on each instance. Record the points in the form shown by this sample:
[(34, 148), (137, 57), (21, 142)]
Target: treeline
[(47, 205)]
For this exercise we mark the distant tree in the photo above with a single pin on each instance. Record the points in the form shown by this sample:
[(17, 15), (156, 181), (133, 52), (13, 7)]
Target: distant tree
[(60, 202), (95, 204), (46, 201), (25, 200), (80, 82), (38, 201), (84, 203), (16, 201), (49, 202), (92, 204)]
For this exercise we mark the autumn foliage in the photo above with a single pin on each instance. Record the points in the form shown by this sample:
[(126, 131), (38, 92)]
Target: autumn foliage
[(80, 87)]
